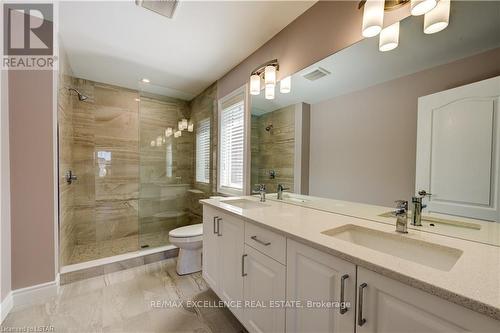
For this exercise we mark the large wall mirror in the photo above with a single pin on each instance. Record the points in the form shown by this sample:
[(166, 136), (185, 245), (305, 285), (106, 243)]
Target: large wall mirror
[(376, 127)]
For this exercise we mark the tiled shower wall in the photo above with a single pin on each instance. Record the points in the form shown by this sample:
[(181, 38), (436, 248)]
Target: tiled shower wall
[(274, 149), (107, 142)]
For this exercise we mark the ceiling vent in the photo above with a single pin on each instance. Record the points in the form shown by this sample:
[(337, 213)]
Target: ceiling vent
[(316, 74), (163, 7)]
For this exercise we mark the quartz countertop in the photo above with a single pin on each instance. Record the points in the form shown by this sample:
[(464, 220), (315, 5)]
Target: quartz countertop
[(473, 282)]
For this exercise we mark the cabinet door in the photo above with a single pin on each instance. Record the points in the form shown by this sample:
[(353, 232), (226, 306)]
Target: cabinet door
[(210, 248), (390, 306), (316, 276), (230, 240), (264, 288)]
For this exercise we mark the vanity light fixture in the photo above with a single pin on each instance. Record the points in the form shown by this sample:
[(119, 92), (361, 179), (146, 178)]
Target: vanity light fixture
[(438, 18), (254, 84), (268, 73), (286, 85), (421, 7), (389, 38), (373, 17)]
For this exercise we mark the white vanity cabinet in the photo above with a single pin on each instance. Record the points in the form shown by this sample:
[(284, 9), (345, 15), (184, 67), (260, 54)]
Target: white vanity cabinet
[(223, 239), (316, 276), (386, 305)]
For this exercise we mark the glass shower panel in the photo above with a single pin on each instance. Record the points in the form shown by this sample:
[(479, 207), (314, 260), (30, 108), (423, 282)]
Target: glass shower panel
[(166, 168)]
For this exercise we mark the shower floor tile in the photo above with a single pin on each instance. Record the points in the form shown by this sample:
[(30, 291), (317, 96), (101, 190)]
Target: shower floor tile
[(141, 299)]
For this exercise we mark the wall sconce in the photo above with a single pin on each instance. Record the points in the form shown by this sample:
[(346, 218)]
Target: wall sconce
[(437, 16), (268, 73)]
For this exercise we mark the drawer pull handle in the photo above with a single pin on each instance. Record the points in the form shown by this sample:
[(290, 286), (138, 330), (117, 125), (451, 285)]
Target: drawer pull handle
[(260, 241), (343, 308), (219, 233), (215, 229), (361, 320), (243, 265)]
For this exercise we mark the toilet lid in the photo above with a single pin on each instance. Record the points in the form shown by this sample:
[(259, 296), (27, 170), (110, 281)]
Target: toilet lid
[(187, 231)]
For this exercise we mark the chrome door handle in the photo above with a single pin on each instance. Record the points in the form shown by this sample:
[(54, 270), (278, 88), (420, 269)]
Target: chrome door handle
[(343, 308), (361, 320), (215, 229), (243, 265), (218, 226), (259, 241)]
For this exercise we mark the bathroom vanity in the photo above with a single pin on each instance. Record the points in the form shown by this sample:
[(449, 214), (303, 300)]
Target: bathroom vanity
[(286, 268)]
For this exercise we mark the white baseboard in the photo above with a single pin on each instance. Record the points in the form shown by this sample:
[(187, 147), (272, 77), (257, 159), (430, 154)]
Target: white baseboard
[(5, 306), (39, 293)]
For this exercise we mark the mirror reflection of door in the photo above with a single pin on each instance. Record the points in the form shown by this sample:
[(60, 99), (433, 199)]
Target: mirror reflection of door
[(458, 150)]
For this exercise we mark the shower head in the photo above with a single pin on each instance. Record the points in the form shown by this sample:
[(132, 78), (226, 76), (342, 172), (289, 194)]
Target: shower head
[(81, 97), (269, 127)]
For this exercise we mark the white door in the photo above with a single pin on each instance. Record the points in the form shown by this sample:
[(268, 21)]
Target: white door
[(231, 237), (458, 150), (316, 276), (389, 306), (264, 288), (210, 247)]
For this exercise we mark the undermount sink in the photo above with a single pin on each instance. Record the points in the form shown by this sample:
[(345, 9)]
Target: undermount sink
[(244, 203), (425, 253)]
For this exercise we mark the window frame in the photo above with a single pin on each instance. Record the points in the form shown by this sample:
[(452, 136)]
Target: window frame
[(241, 93)]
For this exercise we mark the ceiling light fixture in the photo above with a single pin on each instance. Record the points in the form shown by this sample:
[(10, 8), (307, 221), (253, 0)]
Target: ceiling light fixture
[(420, 7), (268, 72), (438, 18), (144, 80), (389, 38)]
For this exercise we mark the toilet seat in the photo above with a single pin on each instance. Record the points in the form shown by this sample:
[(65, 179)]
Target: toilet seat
[(189, 231)]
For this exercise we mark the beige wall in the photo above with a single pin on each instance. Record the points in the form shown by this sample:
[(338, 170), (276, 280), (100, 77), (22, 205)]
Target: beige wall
[(363, 144), (325, 28), (32, 177), (5, 233)]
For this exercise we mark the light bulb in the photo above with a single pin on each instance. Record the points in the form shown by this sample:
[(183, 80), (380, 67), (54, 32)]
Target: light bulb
[(270, 75), (286, 85), (438, 18), (420, 7), (254, 84), (269, 91), (389, 38), (373, 17)]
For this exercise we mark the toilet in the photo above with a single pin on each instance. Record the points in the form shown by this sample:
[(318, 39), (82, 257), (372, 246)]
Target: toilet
[(189, 240)]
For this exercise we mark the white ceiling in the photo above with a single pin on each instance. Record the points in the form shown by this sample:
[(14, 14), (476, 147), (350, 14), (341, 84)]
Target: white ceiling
[(473, 28), (119, 43)]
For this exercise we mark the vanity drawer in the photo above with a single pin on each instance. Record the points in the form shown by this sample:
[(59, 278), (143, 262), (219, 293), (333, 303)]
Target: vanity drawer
[(266, 241)]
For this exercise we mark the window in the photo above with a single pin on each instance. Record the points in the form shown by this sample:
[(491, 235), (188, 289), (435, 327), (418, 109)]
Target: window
[(232, 145), (203, 151), (169, 161)]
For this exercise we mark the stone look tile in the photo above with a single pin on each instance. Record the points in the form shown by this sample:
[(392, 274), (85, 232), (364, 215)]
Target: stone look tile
[(121, 302)]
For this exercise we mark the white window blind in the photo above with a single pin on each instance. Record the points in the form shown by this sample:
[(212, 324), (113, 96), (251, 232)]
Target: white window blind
[(203, 151), (232, 145), (169, 161)]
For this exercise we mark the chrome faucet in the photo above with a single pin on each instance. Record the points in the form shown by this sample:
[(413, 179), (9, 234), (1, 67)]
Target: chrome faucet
[(280, 190), (417, 207), (401, 214), (261, 189)]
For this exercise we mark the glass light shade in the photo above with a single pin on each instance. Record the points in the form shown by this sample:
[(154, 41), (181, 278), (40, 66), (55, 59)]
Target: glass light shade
[(159, 141), (373, 17), (190, 127), (179, 125), (254, 85), (438, 18), (168, 132), (269, 91), (420, 7), (177, 134), (286, 85), (270, 75), (389, 38), (184, 123), (153, 143)]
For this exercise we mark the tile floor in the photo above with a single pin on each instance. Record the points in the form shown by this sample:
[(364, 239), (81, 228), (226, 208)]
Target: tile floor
[(122, 302)]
